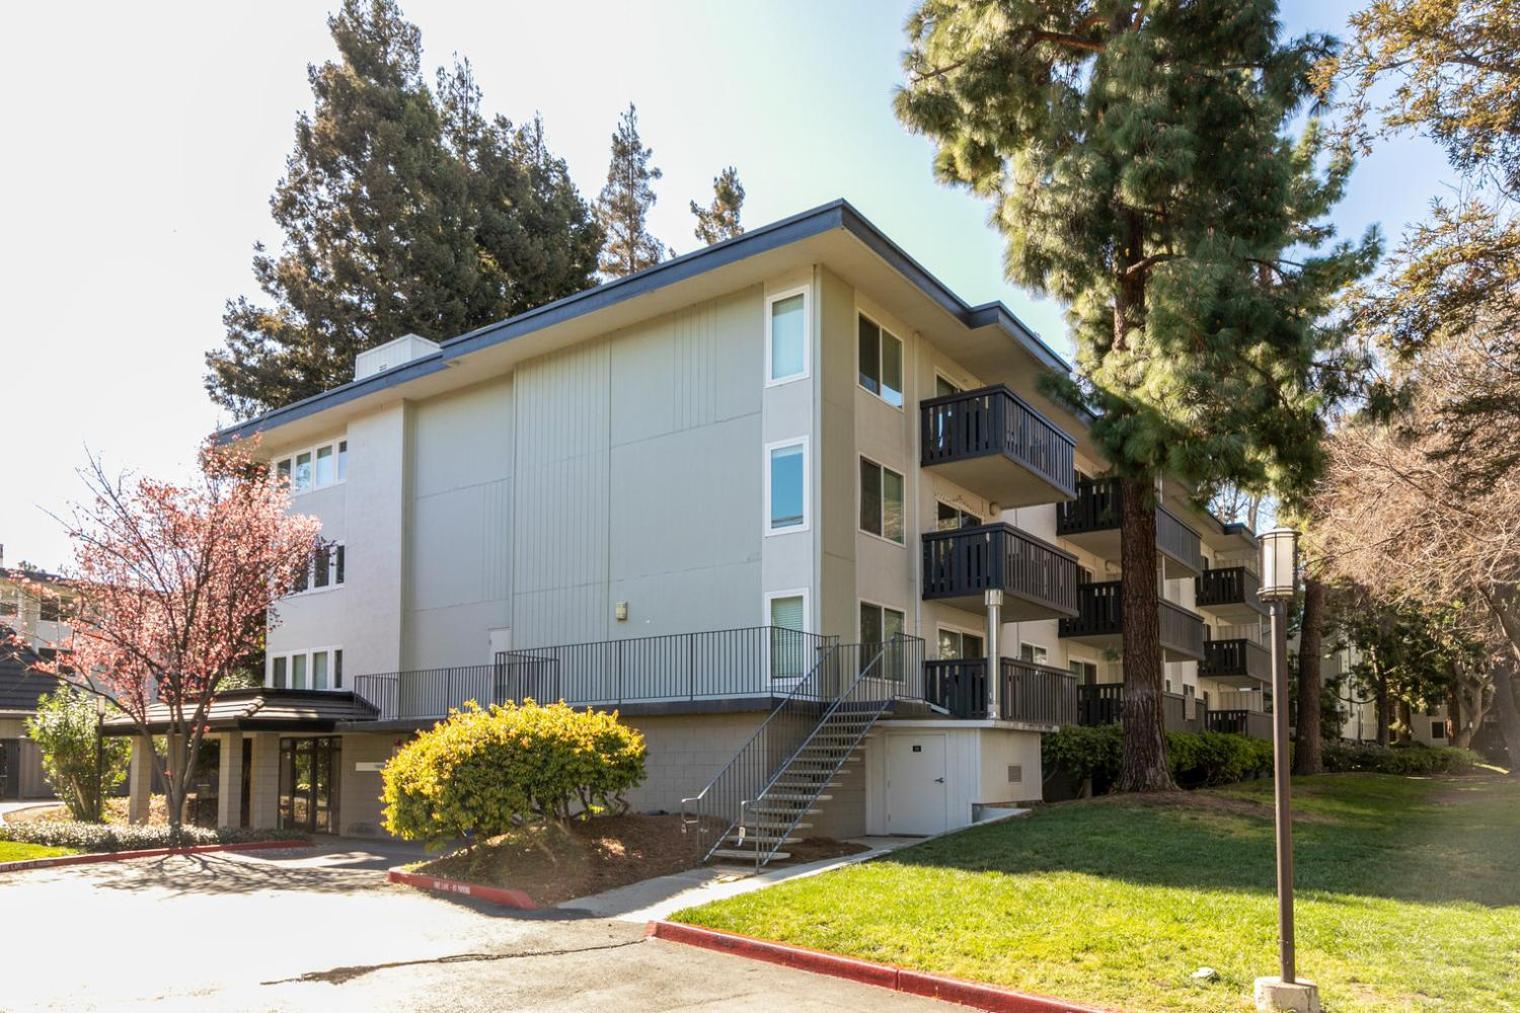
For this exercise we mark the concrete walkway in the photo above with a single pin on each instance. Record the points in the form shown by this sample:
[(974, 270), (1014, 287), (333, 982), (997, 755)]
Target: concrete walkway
[(16, 807)]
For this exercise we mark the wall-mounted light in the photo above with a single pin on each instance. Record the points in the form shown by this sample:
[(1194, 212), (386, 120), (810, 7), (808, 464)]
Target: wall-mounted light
[(620, 611)]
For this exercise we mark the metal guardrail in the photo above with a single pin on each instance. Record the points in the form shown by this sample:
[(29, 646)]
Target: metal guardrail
[(1028, 692), (862, 675), (1227, 585), (759, 661), (968, 561), (995, 420)]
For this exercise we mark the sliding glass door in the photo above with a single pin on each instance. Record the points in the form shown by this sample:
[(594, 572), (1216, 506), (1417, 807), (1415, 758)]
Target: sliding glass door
[(309, 784)]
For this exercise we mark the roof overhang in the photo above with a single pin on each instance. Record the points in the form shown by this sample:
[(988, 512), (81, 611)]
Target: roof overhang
[(260, 709), (988, 339)]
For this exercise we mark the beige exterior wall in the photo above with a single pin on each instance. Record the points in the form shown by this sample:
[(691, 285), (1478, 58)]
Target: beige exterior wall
[(980, 757), (359, 803)]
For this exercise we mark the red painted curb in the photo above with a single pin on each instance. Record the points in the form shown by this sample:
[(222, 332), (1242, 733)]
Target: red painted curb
[(490, 894), (122, 856), (899, 979)]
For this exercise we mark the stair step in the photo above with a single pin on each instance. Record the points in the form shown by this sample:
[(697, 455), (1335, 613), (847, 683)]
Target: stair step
[(779, 811), (786, 825), (761, 839), (795, 796), (806, 785), (748, 856)]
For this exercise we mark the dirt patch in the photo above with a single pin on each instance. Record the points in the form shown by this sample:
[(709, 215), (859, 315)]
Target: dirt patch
[(553, 864), (816, 849)]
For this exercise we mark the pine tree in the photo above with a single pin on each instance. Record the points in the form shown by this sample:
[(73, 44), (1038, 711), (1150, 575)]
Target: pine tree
[(623, 208), (400, 213), (1136, 160), (720, 220)]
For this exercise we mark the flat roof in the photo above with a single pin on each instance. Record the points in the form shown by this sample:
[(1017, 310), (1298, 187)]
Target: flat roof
[(838, 215)]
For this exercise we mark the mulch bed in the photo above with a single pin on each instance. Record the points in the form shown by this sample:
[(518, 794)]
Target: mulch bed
[(553, 864)]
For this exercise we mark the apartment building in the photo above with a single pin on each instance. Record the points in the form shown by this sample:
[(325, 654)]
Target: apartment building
[(33, 604), (778, 501)]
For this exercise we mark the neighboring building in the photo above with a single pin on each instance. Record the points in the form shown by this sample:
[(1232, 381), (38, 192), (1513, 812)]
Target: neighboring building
[(40, 623), (707, 494)]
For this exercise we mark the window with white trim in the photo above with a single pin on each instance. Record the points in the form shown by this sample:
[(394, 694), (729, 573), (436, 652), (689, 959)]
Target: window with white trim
[(1033, 653), (315, 467), (881, 361), (318, 668), (786, 336), (950, 517), (881, 501), (326, 570), (786, 613), (878, 623), (786, 487), (957, 645)]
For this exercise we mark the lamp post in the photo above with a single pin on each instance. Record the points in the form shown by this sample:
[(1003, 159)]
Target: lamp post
[(1279, 584), (100, 744)]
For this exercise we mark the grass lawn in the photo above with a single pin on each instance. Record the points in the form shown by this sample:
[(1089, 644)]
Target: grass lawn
[(1408, 898), (12, 852)]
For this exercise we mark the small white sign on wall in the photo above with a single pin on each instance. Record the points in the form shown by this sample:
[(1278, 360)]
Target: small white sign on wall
[(369, 766)]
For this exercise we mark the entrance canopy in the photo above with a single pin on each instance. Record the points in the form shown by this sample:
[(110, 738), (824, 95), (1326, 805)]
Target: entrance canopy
[(263, 709)]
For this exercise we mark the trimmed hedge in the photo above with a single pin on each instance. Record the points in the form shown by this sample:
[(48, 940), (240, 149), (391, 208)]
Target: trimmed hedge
[(1197, 760), (484, 772), (98, 837), (1412, 758)]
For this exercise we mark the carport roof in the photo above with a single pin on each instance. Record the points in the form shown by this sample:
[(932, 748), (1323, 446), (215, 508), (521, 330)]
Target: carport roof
[(264, 709)]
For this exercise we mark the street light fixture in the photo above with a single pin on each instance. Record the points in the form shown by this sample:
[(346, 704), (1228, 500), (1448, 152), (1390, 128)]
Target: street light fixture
[(1279, 585)]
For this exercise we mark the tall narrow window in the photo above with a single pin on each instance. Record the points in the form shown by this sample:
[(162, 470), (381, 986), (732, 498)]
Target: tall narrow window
[(786, 478), (786, 337), (342, 460), (282, 470), (338, 555), (327, 471), (338, 669), (302, 478), (321, 573), (789, 648), (319, 670), (298, 671), (881, 501), (277, 667), (881, 360)]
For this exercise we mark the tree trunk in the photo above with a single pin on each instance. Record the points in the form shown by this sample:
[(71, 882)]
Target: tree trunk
[(1505, 704), (1145, 766), (1457, 732), (1308, 754), (1381, 704), (1406, 721)]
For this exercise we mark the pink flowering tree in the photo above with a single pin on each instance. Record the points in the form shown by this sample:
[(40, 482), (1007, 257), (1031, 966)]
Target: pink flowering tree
[(171, 592)]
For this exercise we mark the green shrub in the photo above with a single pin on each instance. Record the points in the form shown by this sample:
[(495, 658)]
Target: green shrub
[(484, 772), (130, 836), (1406, 758), (1197, 760), (64, 730)]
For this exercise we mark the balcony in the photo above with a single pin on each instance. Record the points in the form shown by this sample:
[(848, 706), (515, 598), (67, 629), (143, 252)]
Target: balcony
[(1038, 580), (1237, 662), (991, 442), (1036, 694), (1103, 704), (1252, 723), (1229, 592), (1092, 521), (1100, 623)]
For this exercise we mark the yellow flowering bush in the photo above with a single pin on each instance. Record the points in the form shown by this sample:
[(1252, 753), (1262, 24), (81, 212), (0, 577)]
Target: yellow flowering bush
[(484, 772)]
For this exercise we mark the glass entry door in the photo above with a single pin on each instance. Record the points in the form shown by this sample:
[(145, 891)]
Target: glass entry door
[(309, 784)]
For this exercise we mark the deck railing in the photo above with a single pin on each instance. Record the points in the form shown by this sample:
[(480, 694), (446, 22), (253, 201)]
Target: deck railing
[(1103, 704), (754, 662), (969, 561), (1227, 585), (1181, 630), (1099, 506), (1028, 692), (1236, 657), (1177, 540), (995, 420), (1256, 724)]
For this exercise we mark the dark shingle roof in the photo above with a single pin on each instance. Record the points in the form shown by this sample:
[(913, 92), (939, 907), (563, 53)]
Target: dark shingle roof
[(264, 709), (21, 686)]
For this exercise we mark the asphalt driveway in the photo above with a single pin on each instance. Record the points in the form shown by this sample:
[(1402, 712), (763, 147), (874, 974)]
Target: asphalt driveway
[(308, 930)]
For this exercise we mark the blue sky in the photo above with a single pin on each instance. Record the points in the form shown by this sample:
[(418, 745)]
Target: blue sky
[(153, 137)]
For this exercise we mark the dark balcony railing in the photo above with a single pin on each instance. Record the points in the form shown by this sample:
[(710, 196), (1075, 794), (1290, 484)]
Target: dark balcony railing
[(1255, 724), (1227, 585), (1100, 613), (968, 561), (760, 661), (1028, 692), (1099, 506), (1103, 704), (1238, 657), (995, 420)]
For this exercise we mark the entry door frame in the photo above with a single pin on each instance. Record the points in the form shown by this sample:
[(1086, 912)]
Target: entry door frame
[(897, 782)]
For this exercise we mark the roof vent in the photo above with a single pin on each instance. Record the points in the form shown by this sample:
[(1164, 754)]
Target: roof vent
[(392, 354)]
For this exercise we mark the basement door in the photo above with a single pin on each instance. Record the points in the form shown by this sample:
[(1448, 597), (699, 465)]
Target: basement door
[(916, 795)]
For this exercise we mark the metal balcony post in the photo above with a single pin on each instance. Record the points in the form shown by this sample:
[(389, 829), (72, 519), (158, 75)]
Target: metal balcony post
[(994, 600)]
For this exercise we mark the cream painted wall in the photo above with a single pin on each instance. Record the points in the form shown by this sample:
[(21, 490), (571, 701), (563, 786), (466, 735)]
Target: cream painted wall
[(977, 760)]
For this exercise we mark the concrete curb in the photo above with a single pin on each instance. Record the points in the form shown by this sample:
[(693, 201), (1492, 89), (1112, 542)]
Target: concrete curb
[(489, 894), (123, 856), (899, 979)]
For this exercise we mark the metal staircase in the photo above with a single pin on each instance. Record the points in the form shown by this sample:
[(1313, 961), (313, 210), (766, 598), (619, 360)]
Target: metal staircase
[(776, 781)]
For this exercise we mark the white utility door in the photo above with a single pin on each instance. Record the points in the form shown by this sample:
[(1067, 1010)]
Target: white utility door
[(501, 640), (916, 795)]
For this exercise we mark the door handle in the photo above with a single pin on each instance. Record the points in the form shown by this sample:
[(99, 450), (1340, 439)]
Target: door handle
[(939, 780)]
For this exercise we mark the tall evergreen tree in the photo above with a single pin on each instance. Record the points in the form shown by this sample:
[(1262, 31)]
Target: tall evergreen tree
[(400, 213), (623, 208), (1135, 157), (720, 219)]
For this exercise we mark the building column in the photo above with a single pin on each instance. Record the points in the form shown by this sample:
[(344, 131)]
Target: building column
[(994, 600), (229, 786), (264, 791), (140, 778)]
